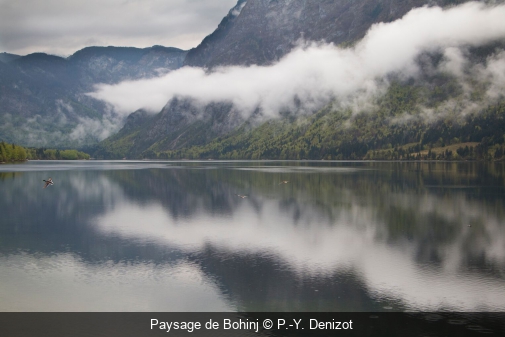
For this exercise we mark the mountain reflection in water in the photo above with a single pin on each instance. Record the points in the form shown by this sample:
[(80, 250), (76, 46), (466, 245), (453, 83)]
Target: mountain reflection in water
[(176, 236)]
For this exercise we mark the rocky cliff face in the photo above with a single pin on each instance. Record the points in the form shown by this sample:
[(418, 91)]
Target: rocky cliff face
[(262, 31)]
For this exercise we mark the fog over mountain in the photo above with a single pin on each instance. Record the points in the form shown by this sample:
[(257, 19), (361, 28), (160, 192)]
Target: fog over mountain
[(316, 72), (405, 62), (43, 101)]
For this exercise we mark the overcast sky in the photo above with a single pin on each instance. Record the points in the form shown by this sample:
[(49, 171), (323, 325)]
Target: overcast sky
[(62, 27)]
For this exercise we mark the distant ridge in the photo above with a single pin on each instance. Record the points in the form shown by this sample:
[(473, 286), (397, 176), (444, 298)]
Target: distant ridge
[(6, 57), (43, 99)]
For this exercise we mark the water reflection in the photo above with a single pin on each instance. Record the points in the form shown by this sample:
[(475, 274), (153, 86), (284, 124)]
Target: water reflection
[(338, 236), (63, 282)]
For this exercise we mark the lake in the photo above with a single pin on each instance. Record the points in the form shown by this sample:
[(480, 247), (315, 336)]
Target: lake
[(252, 236)]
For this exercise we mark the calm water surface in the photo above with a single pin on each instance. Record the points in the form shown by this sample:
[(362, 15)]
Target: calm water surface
[(229, 236)]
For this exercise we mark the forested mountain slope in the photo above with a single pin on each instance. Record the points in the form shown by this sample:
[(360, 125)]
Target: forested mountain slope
[(44, 101), (448, 94)]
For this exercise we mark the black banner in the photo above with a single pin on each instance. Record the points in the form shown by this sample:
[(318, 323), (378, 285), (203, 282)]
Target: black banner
[(251, 324)]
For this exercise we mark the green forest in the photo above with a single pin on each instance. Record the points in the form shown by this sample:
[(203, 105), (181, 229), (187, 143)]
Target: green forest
[(16, 153), (333, 134), (433, 116)]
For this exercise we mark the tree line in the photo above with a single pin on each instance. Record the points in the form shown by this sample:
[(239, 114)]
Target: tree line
[(17, 153), (368, 137)]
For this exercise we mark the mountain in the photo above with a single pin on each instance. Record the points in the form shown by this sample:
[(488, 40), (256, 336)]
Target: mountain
[(43, 99), (180, 124), (262, 31), (384, 131), (115, 64), (6, 57)]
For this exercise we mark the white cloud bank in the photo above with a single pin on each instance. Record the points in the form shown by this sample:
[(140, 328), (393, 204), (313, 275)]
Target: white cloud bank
[(314, 73)]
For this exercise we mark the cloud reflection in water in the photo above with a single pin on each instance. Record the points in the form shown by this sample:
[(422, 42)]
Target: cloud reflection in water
[(316, 246), (360, 236)]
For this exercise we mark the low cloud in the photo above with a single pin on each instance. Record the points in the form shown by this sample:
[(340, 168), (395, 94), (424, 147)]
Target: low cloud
[(494, 71), (91, 130), (316, 73), (81, 130)]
